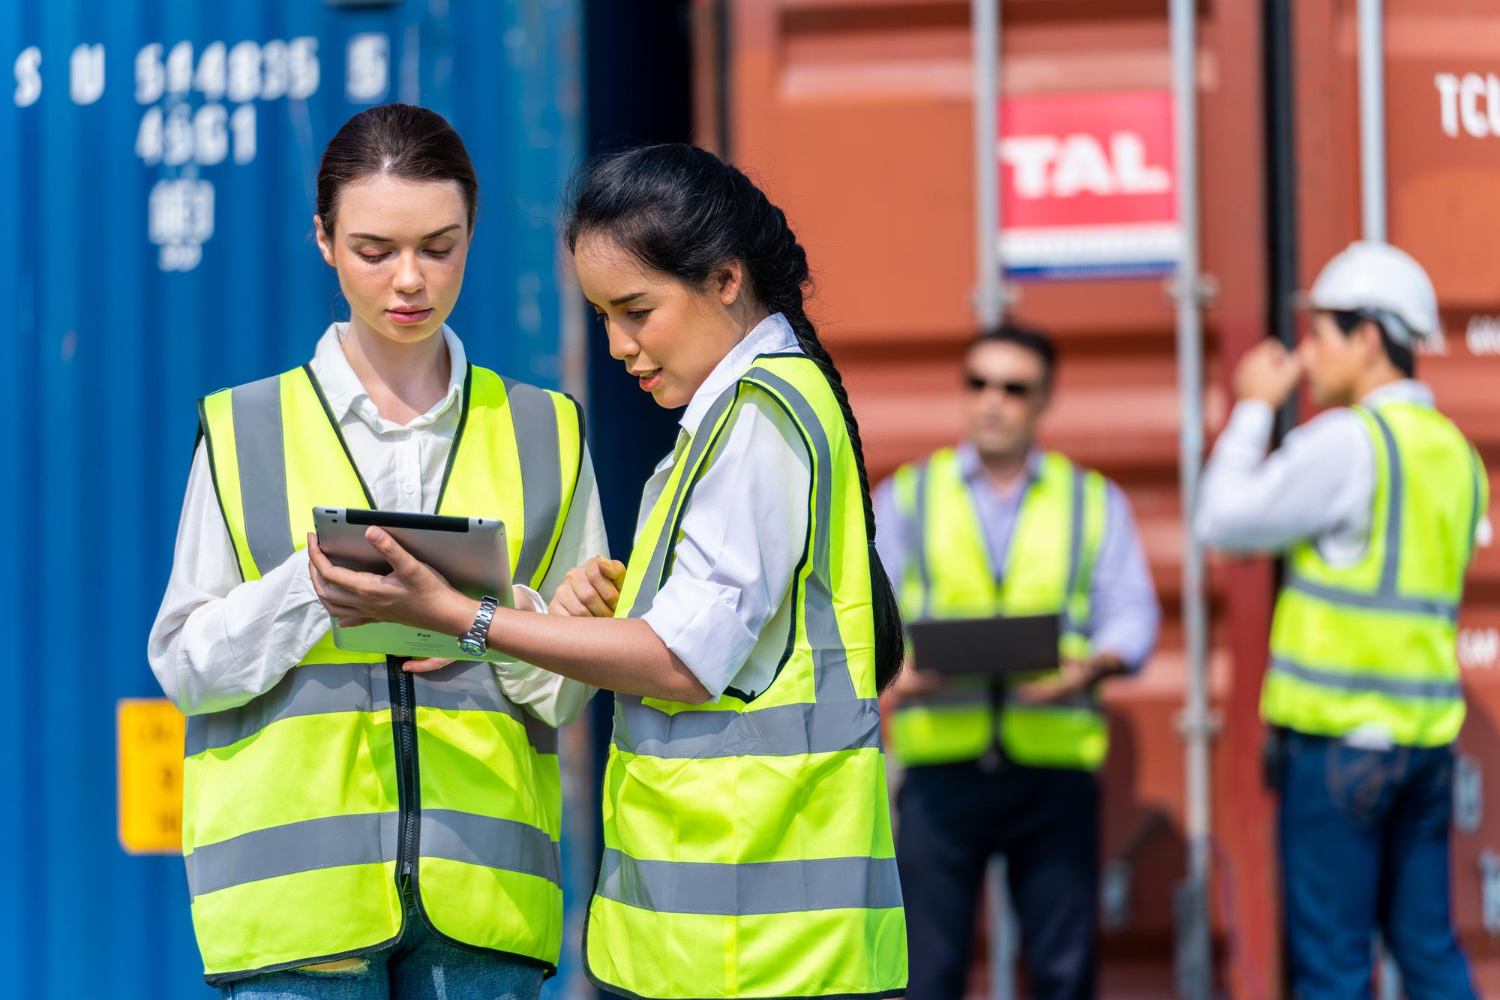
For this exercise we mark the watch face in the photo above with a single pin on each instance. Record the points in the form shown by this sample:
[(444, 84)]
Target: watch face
[(472, 648)]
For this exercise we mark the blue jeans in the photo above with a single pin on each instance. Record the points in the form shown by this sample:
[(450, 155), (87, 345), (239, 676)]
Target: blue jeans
[(421, 966), (1364, 847)]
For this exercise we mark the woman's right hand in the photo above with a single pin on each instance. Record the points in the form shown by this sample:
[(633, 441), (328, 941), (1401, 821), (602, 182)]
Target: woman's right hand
[(590, 590)]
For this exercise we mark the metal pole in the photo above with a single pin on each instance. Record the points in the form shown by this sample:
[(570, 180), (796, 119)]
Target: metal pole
[(1372, 119), (989, 292), (1004, 941), (1194, 958), (989, 307), (1373, 227)]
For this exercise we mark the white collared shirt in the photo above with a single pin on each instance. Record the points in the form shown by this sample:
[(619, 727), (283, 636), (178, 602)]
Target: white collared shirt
[(725, 610), (1319, 485), (219, 642)]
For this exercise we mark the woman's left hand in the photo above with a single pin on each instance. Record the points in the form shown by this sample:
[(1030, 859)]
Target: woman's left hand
[(412, 593)]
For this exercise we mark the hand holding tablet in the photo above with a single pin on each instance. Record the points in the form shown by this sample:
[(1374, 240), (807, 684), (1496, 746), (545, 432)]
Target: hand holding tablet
[(471, 553)]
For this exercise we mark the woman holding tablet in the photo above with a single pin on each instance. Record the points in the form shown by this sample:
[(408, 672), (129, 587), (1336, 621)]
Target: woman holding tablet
[(352, 828), (747, 837)]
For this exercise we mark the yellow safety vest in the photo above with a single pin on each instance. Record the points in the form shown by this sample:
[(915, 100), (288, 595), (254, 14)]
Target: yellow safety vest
[(747, 845), (1373, 644), (1048, 570), (306, 808)]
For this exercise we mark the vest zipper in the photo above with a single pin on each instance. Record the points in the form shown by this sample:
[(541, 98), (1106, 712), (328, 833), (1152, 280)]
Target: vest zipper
[(402, 688), (403, 718)]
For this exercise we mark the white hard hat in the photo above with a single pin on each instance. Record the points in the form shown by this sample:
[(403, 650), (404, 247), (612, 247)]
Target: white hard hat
[(1378, 278)]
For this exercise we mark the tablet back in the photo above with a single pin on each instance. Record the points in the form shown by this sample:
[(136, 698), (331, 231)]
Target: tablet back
[(994, 646), (470, 552)]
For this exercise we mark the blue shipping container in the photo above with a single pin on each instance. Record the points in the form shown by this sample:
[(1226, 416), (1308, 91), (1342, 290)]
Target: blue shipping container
[(157, 176)]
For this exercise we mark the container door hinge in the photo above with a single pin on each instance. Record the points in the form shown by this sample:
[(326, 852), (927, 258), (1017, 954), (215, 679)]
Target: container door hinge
[(1192, 725), (1468, 794), (1203, 292), (1489, 889)]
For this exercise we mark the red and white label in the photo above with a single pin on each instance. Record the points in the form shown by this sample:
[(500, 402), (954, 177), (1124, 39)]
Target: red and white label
[(1087, 184)]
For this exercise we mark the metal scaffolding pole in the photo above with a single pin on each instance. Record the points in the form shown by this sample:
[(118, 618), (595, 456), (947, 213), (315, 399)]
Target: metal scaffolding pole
[(989, 309), (1371, 26), (1372, 119), (989, 291), (1194, 951)]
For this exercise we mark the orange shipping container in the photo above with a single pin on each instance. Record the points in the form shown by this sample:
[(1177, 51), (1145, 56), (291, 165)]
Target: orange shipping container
[(857, 117)]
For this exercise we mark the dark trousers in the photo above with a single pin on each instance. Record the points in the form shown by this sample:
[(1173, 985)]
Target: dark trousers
[(1364, 846), (953, 817)]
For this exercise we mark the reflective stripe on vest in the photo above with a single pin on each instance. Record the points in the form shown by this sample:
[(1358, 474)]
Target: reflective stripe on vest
[(737, 832), (1372, 644), (291, 816), (1048, 570)]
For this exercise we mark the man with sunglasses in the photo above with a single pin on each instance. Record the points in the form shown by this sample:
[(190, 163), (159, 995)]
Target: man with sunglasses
[(997, 526), (1376, 504)]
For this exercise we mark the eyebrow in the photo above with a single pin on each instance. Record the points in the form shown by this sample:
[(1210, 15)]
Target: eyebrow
[(387, 239), (625, 298)]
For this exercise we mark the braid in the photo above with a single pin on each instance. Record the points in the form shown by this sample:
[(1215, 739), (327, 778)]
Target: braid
[(812, 346), (786, 297)]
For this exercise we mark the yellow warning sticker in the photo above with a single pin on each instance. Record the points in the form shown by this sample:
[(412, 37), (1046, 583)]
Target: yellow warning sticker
[(150, 778)]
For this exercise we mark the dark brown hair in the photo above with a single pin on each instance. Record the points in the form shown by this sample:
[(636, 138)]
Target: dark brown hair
[(401, 140), (1400, 355), (1030, 338)]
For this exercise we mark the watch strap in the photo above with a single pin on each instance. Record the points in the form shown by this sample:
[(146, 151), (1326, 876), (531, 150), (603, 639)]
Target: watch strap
[(476, 639)]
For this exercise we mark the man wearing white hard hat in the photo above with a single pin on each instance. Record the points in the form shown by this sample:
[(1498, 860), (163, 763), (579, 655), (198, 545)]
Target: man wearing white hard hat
[(1376, 505)]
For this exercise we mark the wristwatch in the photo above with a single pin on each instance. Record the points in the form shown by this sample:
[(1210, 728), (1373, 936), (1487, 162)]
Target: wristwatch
[(474, 642)]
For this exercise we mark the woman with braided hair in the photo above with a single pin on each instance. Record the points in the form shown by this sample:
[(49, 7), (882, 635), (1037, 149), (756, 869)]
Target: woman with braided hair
[(747, 836)]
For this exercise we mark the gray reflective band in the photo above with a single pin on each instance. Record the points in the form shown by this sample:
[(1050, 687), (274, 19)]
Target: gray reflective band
[(1387, 596), (256, 412), (472, 686), (832, 680), (778, 731), (707, 431), (327, 688), (1446, 610), (369, 838), (1393, 511), (331, 842), (743, 890), (1368, 683), (311, 689), (493, 843), (535, 418)]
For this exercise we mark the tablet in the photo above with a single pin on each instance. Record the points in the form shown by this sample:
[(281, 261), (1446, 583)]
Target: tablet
[(993, 646), (470, 552)]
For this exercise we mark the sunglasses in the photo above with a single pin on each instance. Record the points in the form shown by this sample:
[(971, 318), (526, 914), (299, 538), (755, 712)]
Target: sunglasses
[(1020, 390)]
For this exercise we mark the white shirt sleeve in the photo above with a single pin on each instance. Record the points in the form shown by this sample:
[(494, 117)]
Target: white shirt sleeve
[(741, 540), (1125, 611), (891, 543), (219, 641), (555, 699), (1318, 483)]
